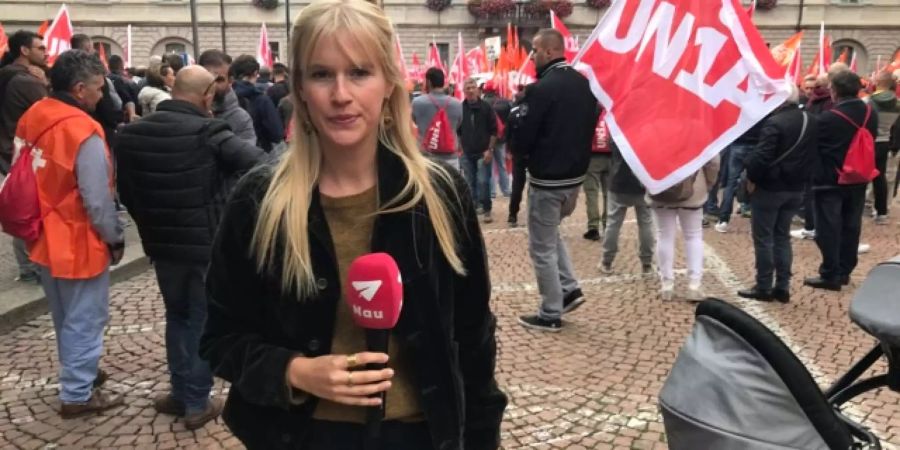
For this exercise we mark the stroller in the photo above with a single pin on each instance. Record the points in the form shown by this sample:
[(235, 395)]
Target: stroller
[(736, 385)]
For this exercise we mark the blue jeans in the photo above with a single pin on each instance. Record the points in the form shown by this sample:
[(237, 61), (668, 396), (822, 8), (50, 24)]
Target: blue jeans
[(771, 228), (184, 295), (80, 310), (500, 166), (712, 203), (735, 167), (478, 176)]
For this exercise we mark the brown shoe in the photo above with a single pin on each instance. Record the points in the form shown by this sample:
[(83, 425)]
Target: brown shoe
[(166, 404), (99, 401), (102, 376), (213, 409)]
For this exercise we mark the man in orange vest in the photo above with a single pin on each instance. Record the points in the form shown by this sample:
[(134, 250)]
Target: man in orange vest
[(81, 232)]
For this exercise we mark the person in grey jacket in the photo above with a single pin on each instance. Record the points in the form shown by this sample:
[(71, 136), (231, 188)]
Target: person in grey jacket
[(225, 103)]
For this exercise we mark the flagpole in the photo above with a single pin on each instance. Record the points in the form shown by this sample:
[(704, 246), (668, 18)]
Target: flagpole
[(287, 19), (128, 45), (194, 33), (222, 27)]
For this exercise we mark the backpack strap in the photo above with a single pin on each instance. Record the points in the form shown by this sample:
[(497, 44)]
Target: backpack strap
[(435, 103), (865, 121), (796, 144)]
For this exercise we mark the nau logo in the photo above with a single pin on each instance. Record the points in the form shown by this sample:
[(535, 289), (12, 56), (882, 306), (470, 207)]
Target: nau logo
[(367, 289)]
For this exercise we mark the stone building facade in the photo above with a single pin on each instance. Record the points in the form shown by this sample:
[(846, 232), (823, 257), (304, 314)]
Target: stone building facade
[(868, 27)]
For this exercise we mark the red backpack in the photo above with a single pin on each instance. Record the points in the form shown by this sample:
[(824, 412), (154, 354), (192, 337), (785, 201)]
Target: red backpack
[(439, 137), (859, 164), (20, 208)]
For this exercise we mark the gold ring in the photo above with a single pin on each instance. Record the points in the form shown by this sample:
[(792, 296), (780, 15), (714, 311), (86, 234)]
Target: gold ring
[(351, 360), (349, 378)]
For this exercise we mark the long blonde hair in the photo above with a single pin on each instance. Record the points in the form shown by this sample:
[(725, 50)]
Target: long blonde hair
[(283, 214)]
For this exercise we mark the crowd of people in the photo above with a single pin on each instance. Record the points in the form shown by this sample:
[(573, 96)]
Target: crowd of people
[(253, 189)]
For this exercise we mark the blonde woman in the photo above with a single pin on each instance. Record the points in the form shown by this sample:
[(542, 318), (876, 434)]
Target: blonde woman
[(353, 182)]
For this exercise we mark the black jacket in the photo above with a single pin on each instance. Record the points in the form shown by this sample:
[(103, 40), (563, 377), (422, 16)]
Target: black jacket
[(559, 114), (477, 126), (176, 168), (835, 135), (501, 108), (778, 133), (254, 330), (278, 91), (621, 178), (266, 121)]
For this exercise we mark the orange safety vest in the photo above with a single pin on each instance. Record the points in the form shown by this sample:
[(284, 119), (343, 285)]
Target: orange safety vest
[(68, 243)]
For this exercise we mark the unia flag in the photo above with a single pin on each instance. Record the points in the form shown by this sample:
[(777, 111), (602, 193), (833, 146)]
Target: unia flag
[(680, 79), (263, 51), (434, 58), (58, 35)]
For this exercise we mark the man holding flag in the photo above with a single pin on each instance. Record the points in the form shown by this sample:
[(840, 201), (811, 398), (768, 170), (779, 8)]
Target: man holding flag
[(558, 119)]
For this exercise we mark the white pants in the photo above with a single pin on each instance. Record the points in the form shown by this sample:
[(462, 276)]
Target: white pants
[(691, 221)]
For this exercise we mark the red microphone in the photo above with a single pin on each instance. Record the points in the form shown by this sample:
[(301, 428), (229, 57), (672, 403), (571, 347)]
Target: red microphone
[(374, 292)]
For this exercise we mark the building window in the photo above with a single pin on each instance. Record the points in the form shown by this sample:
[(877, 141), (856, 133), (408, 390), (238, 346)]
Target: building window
[(274, 48), (175, 47), (444, 51)]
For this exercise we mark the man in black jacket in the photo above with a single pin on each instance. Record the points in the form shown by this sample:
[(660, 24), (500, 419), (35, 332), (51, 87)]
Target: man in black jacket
[(839, 208), (478, 136), (266, 121), (176, 168), (778, 166), (558, 120)]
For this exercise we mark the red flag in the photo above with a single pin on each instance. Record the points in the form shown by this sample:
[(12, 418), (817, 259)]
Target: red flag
[(823, 60), (571, 45), (4, 41), (751, 9), (656, 79), (415, 71), (477, 60), (101, 52), (853, 67), (42, 30), (842, 58), (785, 51), (459, 71), (263, 51), (434, 58), (58, 35), (795, 72)]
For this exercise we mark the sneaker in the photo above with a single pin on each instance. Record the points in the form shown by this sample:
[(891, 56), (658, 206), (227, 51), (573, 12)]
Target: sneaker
[(667, 290), (722, 227), (881, 220), (537, 323), (863, 248), (166, 404), (99, 401), (197, 420), (572, 301), (513, 221), (695, 293), (488, 218), (705, 223), (592, 235), (605, 268), (28, 277), (647, 269), (803, 234), (747, 214)]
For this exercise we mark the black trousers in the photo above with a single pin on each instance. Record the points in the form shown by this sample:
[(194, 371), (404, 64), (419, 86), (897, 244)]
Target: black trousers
[(326, 435), (839, 214), (518, 185), (880, 184)]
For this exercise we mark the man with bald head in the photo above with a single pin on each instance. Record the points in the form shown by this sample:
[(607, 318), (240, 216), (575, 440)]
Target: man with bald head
[(558, 116), (176, 167)]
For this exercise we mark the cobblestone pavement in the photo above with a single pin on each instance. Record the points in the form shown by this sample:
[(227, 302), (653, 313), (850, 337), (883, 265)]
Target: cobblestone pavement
[(592, 386)]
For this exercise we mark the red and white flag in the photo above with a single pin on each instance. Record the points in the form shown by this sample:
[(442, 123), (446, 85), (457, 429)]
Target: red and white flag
[(680, 79), (263, 51), (459, 71), (128, 46), (415, 71), (434, 58), (477, 60), (571, 43), (752, 8), (853, 66), (824, 56), (58, 35), (795, 71), (4, 41)]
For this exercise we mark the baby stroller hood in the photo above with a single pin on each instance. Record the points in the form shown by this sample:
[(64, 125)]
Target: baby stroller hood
[(724, 392)]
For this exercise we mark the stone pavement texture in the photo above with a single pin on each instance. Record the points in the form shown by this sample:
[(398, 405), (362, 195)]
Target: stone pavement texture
[(592, 386)]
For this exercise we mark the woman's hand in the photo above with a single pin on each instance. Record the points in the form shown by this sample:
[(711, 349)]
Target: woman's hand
[(332, 377)]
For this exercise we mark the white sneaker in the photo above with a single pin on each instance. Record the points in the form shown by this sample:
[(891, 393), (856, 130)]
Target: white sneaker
[(695, 293), (667, 289), (722, 227), (863, 248), (803, 234), (881, 220), (605, 269)]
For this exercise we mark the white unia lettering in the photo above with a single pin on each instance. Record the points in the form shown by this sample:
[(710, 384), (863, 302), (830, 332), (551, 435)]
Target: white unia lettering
[(435, 137), (669, 47), (613, 43)]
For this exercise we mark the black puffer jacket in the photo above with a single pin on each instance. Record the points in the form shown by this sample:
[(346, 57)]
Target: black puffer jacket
[(176, 168), (559, 115), (254, 330), (778, 133)]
